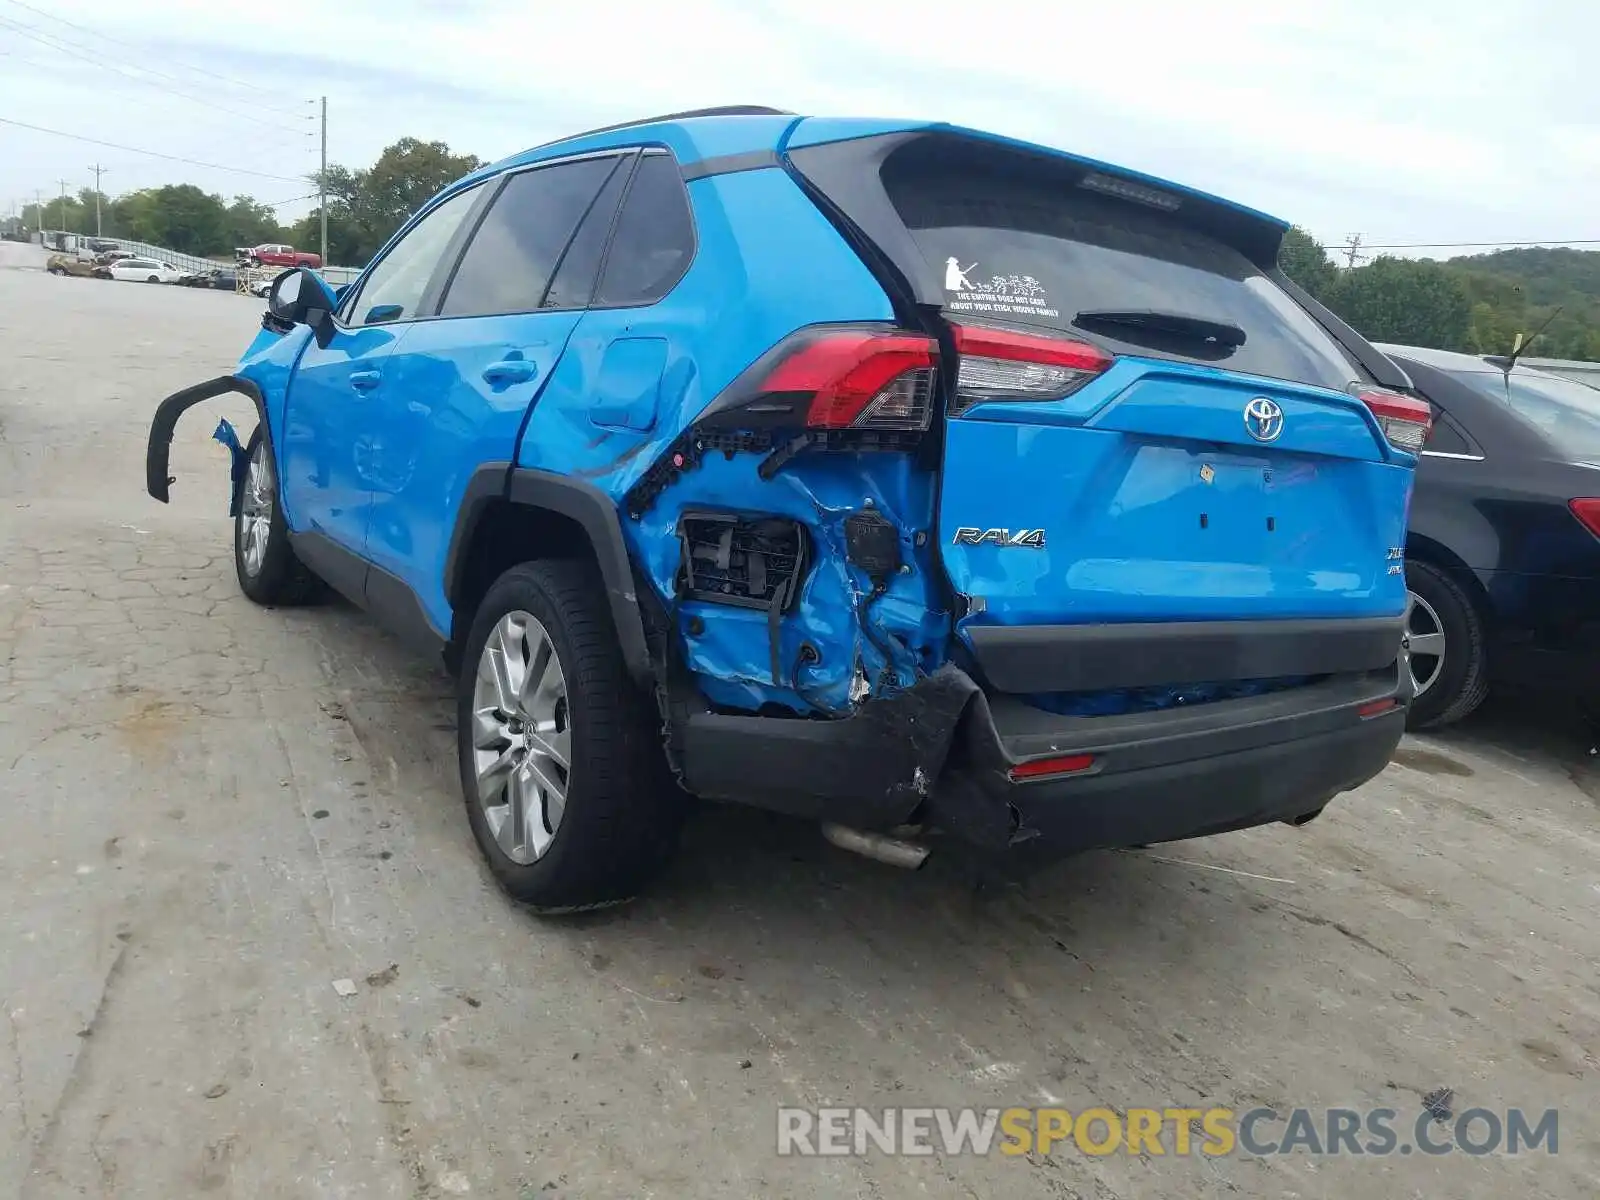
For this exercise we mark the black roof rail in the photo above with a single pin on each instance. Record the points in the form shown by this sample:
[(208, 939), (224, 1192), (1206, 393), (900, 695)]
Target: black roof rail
[(726, 110)]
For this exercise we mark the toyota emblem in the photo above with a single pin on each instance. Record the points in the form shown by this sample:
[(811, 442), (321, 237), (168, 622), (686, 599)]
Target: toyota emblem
[(1263, 419)]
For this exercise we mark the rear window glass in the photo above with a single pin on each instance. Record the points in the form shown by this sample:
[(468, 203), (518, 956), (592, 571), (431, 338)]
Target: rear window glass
[(1566, 413), (1019, 253)]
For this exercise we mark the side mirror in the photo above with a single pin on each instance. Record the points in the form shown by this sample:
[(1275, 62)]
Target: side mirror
[(300, 297)]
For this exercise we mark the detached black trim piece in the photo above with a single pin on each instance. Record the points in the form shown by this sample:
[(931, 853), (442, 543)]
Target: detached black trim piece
[(939, 754), (869, 770), (1078, 658), (158, 449), (597, 514), (729, 164)]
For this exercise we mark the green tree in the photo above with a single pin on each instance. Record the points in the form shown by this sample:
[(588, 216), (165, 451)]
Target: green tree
[(366, 207), (248, 222), (1411, 301), (1305, 261)]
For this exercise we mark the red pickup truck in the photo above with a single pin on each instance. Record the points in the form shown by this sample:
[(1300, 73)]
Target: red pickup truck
[(276, 254)]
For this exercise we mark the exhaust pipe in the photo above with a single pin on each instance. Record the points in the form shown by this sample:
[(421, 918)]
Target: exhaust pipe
[(892, 850)]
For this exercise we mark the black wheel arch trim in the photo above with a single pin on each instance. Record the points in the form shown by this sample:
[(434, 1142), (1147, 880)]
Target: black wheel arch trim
[(158, 449), (579, 501)]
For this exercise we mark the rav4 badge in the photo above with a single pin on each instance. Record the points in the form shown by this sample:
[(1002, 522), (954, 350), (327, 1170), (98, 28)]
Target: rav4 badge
[(1022, 539)]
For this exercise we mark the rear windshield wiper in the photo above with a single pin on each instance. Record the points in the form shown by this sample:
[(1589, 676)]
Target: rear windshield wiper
[(1160, 321)]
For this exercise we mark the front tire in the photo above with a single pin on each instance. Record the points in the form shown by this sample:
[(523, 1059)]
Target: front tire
[(562, 769), (1446, 648), (269, 572)]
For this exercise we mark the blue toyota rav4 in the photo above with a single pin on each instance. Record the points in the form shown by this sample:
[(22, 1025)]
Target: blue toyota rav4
[(932, 485)]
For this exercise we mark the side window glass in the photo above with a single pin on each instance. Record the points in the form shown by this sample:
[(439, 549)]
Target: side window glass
[(394, 287), (654, 240), (516, 250), (579, 269), (1444, 437)]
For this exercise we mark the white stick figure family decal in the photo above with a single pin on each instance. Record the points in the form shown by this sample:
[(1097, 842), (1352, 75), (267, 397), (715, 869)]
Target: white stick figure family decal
[(1020, 294)]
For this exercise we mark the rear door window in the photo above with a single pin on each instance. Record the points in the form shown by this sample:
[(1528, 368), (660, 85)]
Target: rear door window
[(654, 239), (1015, 252), (575, 278), (516, 250)]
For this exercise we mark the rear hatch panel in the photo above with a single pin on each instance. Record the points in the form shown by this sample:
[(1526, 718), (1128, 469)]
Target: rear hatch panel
[(1144, 522), (1149, 489)]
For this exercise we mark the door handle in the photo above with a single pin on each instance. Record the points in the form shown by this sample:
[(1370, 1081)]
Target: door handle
[(510, 370), (365, 381)]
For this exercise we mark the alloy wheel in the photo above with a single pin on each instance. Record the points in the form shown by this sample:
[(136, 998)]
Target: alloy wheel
[(521, 737), (1423, 642), (255, 510)]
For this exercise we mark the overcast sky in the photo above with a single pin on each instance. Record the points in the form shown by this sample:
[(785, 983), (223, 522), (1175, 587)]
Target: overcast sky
[(1405, 120)]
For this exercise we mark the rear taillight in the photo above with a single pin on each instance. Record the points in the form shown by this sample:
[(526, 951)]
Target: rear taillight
[(1001, 365), (843, 379), (1587, 510), (1405, 420)]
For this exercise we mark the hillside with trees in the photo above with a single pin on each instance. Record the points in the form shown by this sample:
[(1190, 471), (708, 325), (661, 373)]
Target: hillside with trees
[(1476, 303)]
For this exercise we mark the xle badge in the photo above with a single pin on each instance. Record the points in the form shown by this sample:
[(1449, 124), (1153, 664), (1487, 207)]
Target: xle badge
[(1022, 539)]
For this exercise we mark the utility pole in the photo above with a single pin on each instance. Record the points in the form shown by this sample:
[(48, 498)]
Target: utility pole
[(98, 171), (322, 184), (38, 211), (63, 184), (1352, 244)]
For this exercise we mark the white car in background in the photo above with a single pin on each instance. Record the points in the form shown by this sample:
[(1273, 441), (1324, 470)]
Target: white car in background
[(143, 270)]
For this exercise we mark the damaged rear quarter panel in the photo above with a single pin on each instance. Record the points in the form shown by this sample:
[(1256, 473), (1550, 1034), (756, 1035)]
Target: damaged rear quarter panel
[(767, 263), (731, 652)]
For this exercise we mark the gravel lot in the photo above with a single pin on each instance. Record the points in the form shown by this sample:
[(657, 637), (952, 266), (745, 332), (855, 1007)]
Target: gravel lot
[(213, 811)]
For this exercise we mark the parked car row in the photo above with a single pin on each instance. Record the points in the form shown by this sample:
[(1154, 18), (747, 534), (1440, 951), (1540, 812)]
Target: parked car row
[(1503, 541), (129, 267)]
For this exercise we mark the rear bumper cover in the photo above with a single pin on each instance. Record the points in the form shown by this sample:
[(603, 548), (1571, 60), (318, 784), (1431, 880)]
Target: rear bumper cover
[(1091, 657), (939, 754)]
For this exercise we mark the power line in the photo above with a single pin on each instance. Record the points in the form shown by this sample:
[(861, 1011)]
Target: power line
[(106, 37), (290, 200), (1345, 246), (93, 56), (193, 162)]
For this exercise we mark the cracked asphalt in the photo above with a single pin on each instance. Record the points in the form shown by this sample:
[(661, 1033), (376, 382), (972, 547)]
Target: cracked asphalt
[(211, 812)]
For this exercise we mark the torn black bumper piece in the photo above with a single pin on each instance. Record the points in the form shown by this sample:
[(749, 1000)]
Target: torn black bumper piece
[(158, 449), (941, 753)]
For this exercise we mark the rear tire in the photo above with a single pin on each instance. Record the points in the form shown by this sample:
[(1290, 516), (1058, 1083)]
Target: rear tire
[(269, 572), (58, 270), (1459, 681), (542, 680)]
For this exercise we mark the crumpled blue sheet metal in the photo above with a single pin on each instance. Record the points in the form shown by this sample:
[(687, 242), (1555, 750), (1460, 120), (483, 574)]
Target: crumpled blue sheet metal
[(225, 434)]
